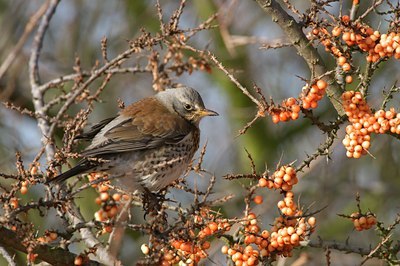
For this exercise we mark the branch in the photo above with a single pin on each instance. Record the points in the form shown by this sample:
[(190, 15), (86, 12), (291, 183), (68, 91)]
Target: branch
[(89, 238), (345, 247), (52, 255), (295, 34), (33, 20), (7, 256), (37, 96)]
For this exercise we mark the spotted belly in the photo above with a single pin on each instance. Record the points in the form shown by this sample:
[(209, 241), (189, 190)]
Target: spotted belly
[(157, 168)]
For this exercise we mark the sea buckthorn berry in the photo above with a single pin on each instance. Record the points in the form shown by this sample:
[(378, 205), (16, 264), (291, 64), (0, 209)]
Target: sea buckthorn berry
[(23, 190), (349, 79), (346, 67), (258, 199), (78, 260), (321, 84)]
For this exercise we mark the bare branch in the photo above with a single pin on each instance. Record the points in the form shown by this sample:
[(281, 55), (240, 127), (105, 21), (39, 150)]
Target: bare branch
[(295, 34), (37, 95)]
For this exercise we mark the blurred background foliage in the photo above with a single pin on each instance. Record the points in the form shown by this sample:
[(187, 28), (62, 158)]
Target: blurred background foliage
[(77, 29)]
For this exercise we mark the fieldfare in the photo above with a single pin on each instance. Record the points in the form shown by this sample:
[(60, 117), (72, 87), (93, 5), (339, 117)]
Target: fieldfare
[(149, 144)]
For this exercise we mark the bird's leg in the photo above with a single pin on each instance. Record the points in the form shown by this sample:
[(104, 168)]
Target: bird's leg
[(152, 202)]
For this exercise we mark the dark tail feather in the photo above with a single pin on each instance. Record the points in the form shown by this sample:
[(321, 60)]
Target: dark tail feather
[(82, 167)]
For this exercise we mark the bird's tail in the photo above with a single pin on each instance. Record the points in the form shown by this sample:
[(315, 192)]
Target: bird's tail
[(82, 167)]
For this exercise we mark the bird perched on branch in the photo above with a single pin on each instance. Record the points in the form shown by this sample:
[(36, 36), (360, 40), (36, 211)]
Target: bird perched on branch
[(149, 144)]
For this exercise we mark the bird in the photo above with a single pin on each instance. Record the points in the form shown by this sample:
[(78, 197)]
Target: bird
[(148, 145)]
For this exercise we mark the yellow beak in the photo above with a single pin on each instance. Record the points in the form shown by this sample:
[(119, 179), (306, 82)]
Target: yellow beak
[(207, 112)]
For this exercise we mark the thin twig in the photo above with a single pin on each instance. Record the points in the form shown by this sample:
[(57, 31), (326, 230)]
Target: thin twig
[(33, 20), (7, 256)]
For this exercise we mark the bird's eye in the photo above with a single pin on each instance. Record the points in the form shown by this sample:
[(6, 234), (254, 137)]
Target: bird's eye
[(188, 107)]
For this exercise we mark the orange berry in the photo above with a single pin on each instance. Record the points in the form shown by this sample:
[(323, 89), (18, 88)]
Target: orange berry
[(34, 170), (224, 250), (290, 170), (116, 196), (78, 260), (283, 116), (306, 105), (362, 221), (294, 239), (346, 36), (296, 108), (213, 226), (345, 18), (311, 221), (321, 84), (251, 216), (53, 236), (314, 104), (258, 199), (265, 234), (291, 101), (336, 31), (108, 229), (103, 188), (346, 67), (104, 196), (145, 249), (278, 181), (23, 190), (207, 231), (349, 79), (98, 201), (112, 212), (187, 247), (371, 220), (289, 194), (251, 261), (287, 177), (262, 182), (275, 119), (290, 230), (14, 203), (206, 245)]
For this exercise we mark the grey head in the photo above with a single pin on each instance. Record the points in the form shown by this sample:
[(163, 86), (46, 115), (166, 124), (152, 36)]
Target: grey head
[(186, 102)]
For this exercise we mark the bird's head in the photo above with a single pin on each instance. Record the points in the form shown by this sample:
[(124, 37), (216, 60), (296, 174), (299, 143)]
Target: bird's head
[(187, 102)]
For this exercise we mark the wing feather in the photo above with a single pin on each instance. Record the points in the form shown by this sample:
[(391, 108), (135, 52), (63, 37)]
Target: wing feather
[(145, 124)]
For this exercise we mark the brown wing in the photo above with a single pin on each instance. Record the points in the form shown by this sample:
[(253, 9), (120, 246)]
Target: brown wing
[(145, 124), (89, 135)]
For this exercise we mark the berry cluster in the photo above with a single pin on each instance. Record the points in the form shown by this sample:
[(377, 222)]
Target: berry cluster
[(287, 206), (363, 222), (33, 172), (242, 256), (284, 178), (109, 203), (248, 255), (310, 97), (374, 43), (190, 252), (290, 108), (48, 237), (364, 122), (285, 235)]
